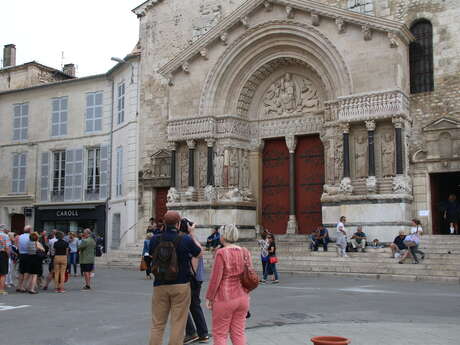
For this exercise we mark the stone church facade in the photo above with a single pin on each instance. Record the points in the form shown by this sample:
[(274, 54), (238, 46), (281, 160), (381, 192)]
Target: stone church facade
[(288, 114)]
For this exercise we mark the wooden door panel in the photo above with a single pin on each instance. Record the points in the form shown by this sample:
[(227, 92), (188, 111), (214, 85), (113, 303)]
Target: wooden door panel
[(160, 202), (275, 186), (309, 164)]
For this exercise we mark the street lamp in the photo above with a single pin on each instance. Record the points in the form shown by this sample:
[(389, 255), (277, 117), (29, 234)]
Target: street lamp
[(122, 61)]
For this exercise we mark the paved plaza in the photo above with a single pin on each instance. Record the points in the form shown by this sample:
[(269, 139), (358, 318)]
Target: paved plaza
[(117, 312)]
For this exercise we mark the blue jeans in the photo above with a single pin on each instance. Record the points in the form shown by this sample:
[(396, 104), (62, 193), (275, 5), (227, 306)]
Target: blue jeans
[(271, 269), (73, 262)]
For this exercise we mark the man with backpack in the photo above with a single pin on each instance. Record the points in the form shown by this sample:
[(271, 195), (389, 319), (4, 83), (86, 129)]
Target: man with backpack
[(171, 254)]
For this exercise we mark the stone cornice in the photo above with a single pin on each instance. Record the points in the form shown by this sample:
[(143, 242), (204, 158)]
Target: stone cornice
[(235, 18), (142, 9)]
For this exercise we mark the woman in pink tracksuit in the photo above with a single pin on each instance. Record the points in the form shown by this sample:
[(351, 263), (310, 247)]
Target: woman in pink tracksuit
[(226, 297)]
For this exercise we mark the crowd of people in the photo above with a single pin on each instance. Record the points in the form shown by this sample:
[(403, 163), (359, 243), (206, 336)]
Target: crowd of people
[(23, 257)]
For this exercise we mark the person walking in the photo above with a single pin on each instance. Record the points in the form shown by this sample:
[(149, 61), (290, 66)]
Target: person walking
[(61, 252), (341, 240), (146, 255), (272, 260), (171, 254), (13, 260), (5, 246), (87, 249), (73, 253), (226, 297), (196, 328), (263, 246)]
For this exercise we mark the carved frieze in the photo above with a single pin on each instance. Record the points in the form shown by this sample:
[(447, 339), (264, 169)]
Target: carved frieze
[(290, 95)]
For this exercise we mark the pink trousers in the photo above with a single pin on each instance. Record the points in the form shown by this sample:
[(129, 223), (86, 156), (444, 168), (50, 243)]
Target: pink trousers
[(229, 317)]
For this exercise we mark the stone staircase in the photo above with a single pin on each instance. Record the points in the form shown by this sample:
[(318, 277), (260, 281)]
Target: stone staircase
[(441, 264)]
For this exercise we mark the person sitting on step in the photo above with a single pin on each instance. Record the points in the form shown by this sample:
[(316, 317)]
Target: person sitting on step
[(320, 237), (359, 239), (398, 247), (213, 240)]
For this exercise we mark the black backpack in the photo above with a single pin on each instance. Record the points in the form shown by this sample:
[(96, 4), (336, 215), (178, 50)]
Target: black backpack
[(165, 261)]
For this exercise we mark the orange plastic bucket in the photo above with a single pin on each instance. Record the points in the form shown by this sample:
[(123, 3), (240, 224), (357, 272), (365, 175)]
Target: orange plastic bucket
[(330, 341)]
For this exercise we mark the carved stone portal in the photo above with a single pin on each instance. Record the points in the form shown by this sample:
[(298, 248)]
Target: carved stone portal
[(361, 156), (388, 154), (290, 95)]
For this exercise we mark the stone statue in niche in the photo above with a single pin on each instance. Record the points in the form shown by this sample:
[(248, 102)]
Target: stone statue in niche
[(388, 154), (290, 95), (183, 167), (244, 181), (233, 168), (360, 156), (202, 166), (338, 160), (219, 166), (329, 157)]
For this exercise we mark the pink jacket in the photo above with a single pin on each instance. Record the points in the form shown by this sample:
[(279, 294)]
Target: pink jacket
[(225, 282)]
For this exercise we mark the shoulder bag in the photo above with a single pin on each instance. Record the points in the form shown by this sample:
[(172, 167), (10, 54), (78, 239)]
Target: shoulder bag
[(249, 277)]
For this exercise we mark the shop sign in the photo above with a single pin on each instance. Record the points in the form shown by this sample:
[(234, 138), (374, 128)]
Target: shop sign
[(67, 213)]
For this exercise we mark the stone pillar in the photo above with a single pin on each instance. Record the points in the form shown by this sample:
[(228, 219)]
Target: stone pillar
[(371, 182), (398, 124), (345, 185), (210, 168), (173, 165), (189, 194), (291, 143)]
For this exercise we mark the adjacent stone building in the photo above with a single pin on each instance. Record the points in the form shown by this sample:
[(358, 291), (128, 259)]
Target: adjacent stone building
[(290, 113)]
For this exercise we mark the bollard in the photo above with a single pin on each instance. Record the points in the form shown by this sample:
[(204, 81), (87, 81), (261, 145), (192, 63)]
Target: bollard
[(330, 341)]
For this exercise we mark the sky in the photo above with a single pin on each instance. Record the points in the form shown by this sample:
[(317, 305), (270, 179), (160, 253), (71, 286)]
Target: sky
[(84, 32)]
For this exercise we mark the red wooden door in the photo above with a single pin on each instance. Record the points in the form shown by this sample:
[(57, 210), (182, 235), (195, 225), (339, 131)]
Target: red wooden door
[(18, 222), (309, 162), (275, 186), (160, 202)]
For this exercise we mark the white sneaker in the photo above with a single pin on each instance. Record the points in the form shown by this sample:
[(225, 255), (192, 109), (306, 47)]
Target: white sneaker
[(397, 255), (345, 256)]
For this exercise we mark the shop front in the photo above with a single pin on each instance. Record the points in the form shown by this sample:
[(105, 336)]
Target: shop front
[(73, 218)]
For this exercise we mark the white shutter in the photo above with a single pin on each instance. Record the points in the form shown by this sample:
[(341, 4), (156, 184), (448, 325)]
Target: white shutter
[(15, 180), (44, 179), (78, 175), (69, 169), (105, 170)]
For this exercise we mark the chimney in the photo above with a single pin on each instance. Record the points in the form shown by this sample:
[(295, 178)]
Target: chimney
[(69, 69), (9, 55)]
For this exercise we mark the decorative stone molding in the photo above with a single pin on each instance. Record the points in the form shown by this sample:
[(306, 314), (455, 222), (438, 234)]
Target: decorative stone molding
[(223, 38), (370, 125), (371, 184), (345, 186), (291, 143), (204, 53), (210, 142), (245, 21), (191, 144), (315, 19), (189, 194), (173, 195), (398, 122), (393, 38), (341, 26), (210, 193), (186, 67), (172, 146), (292, 225), (367, 32), (402, 184), (249, 6), (345, 127), (289, 12), (377, 105)]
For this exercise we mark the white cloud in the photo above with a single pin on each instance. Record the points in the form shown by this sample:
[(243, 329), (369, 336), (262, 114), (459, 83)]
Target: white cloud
[(89, 32)]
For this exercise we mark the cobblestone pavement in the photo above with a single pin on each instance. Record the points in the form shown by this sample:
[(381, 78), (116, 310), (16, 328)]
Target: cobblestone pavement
[(117, 312)]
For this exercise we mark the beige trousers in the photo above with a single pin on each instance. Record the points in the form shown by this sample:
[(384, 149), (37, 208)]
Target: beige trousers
[(169, 300)]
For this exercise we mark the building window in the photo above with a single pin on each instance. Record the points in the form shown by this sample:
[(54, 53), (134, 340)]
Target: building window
[(19, 173), (121, 103), (20, 121), (59, 116), (59, 158), (361, 6), (94, 174), (119, 181), (94, 111), (421, 57)]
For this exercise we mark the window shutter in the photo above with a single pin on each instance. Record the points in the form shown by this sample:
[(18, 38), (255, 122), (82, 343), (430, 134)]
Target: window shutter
[(78, 175), (15, 180), (104, 182), (69, 168), (44, 182)]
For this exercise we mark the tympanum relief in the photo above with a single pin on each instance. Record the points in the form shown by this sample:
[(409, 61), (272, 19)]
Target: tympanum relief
[(290, 95)]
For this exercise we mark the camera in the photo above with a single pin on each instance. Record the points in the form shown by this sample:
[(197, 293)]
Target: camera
[(184, 224)]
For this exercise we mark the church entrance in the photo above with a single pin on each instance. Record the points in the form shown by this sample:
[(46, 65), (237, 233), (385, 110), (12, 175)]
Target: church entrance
[(309, 162), (442, 185), (275, 186)]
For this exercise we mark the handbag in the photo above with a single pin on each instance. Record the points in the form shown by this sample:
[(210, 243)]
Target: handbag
[(273, 260), (249, 277), (143, 265)]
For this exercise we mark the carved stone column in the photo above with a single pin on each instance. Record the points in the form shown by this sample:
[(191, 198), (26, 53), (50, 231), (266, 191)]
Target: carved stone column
[(191, 167), (210, 169), (371, 182), (291, 143), (173, 148), (399, 124), (345, 185)]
